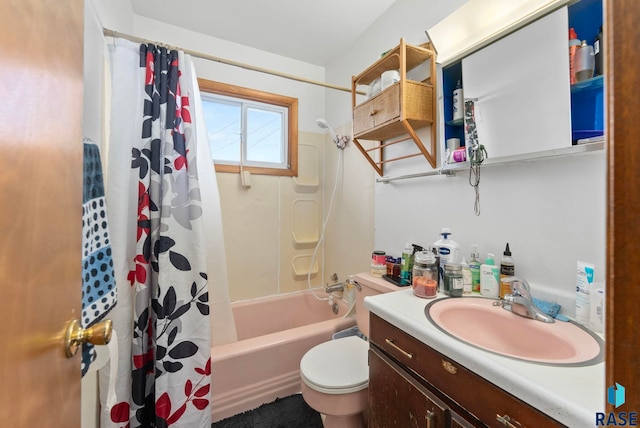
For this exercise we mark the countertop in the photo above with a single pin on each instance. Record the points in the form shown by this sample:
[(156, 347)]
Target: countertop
[(571, 395)]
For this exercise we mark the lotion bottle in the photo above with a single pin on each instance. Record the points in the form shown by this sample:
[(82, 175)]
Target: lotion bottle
[(458, 98), (490, 278), (447, 250)]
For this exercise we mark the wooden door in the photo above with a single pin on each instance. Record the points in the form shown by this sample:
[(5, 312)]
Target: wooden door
[(398, 400), (622, 74), (41, 46)]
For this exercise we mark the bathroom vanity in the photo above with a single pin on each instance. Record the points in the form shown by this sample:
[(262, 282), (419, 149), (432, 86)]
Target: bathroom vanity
[(420, 376)]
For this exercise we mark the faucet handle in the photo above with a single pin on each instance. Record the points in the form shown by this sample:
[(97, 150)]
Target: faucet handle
[(519, 287)]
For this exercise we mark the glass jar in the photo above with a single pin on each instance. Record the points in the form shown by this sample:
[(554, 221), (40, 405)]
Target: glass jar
[(378, 271), (453, 284), (425, 275)]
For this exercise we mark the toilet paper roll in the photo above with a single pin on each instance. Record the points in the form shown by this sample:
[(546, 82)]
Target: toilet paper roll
[(453, 143), (389, 77)]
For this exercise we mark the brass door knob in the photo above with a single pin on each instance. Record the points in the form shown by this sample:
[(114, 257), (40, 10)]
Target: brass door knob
[(75, 336)]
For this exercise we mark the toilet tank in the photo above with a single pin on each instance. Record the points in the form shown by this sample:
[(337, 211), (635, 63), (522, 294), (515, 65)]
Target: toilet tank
[(370, 286)]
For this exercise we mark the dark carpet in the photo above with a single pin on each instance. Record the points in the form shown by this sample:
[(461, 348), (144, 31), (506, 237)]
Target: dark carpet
[(288, 412)]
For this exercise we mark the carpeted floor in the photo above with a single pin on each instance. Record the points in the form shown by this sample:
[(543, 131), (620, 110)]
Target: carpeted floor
[(288, 412)]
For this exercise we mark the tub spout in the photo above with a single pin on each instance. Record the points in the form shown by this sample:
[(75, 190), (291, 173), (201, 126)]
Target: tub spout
[(335, 287)]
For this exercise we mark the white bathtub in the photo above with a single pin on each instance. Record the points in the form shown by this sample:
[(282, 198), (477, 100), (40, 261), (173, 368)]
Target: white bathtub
[(273, 335)]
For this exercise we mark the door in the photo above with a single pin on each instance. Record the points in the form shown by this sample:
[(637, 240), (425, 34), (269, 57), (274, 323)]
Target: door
[(40, 209), (398, 400), (513, 98)]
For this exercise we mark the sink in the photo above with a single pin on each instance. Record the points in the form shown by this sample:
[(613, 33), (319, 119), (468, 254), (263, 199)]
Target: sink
[(477, 322)]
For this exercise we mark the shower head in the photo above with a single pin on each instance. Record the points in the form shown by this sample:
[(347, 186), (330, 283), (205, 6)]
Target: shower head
[(324, 125), (338, 140)]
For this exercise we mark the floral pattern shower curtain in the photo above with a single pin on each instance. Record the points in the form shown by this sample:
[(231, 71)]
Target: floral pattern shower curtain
[(170, 365)]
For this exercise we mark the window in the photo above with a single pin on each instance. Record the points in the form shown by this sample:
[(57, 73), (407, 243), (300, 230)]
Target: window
[(249, 128)]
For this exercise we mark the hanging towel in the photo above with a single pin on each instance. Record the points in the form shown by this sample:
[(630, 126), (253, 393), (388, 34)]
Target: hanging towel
[(98, 283)]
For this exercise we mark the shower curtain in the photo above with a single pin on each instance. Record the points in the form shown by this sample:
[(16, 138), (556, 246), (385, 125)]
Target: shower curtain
[(163, 245)]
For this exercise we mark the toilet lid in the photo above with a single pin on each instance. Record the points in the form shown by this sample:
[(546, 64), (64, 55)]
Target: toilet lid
[(338, 366)]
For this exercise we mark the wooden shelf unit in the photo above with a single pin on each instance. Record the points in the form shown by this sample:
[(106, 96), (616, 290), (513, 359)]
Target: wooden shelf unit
[(398, 110)]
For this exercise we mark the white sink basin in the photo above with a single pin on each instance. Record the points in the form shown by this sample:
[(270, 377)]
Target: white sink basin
[(475, 321)]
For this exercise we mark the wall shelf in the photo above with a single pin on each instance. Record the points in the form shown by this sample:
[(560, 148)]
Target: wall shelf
[(453, 168), (399, 109)]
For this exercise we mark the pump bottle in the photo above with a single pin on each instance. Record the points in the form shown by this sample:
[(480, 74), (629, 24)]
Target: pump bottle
[(474, 267), (489, 278), (447, 250)]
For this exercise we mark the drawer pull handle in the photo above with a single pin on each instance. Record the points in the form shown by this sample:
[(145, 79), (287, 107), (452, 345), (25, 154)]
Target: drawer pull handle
[(430, 416), (405, 353), (506, 421), (450, 368), (373, 112)]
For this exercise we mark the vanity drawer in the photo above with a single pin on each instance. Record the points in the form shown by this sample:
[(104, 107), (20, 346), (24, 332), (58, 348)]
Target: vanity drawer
[(467, 391)]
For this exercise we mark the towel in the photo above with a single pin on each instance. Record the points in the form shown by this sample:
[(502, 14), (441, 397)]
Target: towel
[(549, 308), (98, 283)]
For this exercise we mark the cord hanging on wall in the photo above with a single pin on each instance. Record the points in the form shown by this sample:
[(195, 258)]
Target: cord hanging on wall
[(477, 153)]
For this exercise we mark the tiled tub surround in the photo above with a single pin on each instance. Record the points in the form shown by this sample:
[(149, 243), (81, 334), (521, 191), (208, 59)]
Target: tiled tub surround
[(571, 395)]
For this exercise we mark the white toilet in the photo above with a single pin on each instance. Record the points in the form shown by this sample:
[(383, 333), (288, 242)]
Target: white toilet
[(335, 374)]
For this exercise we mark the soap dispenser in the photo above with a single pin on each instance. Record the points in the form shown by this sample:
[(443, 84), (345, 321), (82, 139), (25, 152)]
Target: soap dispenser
[(490, 278)]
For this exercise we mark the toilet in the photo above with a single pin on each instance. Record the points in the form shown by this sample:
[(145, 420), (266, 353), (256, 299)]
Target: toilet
[(335, 374)]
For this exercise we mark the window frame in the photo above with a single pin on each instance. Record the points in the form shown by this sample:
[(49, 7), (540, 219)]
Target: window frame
[(288, 103)]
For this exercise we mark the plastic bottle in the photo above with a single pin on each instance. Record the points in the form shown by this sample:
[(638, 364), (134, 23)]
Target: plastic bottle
[(466, 278), (474, 267), (406, 265), (447, 250), (507, 269), (489, 278), (584, 62), (574, 42), (458, 98), (598, 51)]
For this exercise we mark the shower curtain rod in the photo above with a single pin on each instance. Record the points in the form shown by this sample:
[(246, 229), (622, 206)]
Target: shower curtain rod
[(112, 33)]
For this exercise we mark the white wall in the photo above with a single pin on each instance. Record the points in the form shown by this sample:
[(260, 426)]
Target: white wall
[(552, 212)]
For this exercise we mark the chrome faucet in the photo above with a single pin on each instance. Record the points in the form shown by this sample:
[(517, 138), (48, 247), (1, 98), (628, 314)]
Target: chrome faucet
[(334, 287), (520, 301)]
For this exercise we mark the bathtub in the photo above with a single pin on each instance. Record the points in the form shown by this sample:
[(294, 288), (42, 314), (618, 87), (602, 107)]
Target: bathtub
[(273, 335)]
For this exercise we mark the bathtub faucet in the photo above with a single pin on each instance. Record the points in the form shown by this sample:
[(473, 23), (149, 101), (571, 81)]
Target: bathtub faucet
[(334, 287)]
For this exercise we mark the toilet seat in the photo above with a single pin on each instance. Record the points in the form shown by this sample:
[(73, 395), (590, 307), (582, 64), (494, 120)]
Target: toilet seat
[(338, 366)]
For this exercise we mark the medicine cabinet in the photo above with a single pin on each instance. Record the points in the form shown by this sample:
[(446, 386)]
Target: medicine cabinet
[(523, 100)]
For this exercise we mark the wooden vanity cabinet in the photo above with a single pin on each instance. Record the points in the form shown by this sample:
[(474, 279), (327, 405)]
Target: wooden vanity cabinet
[(411, 384)]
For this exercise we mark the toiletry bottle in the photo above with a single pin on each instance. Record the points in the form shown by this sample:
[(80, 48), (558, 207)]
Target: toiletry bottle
[(447, 250), (507, 269), (453, 279), (574, 43), (584, 280), (457, 102), (489, 278), (466, 278), (584, 62), (598, 51), (406, 265), (474, 267)]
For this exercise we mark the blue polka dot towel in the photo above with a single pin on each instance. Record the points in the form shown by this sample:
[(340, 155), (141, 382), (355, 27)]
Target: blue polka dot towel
[(98, 283)]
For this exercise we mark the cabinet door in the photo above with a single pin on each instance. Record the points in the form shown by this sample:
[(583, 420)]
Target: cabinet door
[(521, 87), (397, 400)]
